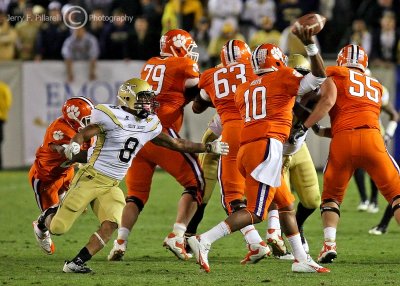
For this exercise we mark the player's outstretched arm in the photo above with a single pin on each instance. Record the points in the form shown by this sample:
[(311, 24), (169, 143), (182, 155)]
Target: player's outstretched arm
[(186, 146), (317, 64)]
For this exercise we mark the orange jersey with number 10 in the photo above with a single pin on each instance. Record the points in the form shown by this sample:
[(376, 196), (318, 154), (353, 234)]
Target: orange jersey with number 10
[(220, 84), (266, 103), (168, 76), (358, 102)]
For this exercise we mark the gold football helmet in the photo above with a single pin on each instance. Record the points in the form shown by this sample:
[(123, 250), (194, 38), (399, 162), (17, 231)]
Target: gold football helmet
[(299, 63), (136, 94)]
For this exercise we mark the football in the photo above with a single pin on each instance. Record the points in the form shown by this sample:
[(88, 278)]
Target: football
[(314, 21)]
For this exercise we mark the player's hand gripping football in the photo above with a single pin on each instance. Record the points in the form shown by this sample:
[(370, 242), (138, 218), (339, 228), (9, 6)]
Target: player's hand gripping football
[(304, 34), (71, 149), (217, 147)]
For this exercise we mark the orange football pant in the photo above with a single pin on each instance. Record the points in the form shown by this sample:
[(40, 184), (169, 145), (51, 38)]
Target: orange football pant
[(47, 191), (359, 148), (184, 167), (230, 179), (259, 195)]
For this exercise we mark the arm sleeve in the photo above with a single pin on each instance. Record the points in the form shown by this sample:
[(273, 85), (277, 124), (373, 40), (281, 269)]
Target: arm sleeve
[(100, 119), (191, 74)]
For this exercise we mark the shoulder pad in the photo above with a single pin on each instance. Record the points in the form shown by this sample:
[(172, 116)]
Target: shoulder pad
[(336, 71)]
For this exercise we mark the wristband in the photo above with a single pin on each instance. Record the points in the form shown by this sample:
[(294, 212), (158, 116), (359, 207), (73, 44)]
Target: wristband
[(391, 128), (208, 148), (311, 49)]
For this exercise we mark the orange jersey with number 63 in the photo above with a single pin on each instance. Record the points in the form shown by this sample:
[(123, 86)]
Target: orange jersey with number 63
[(266, 103), (359, 99), (220, 84), (168, 76)]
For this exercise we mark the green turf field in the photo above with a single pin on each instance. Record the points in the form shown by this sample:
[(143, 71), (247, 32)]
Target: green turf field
[(362, 259)]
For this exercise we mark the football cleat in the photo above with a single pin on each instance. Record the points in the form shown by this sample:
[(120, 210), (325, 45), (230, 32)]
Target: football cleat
[(276, 242), (43, 238), (257, 251), (286, 256), (377, 230), (200, 250), (118, 250), (363, 206), (308, 266), (373, 208), (72, 267), (176, 245), (328, 252)]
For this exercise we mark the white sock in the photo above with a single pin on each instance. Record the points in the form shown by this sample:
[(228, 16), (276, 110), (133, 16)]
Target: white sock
[(123, 233), (297, 247), (217, 232), (179, 229), (251, 235), (330, 234), (273, 220)]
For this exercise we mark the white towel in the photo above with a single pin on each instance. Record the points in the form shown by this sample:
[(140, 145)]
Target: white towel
[(269, 171)]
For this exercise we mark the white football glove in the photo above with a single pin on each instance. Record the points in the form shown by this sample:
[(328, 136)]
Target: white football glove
[(217, 147), (390, 130), (71, 149)]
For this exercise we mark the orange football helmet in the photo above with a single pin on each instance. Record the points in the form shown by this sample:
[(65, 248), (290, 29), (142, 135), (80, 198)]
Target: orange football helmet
[(353, 56), (234, 50), (76, 111), (178, 43), (267, 58)]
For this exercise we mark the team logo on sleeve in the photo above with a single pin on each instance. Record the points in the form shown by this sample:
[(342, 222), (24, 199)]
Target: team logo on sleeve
[(58, 135)]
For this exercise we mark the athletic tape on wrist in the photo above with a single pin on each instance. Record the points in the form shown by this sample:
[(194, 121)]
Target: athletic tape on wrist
[(311, 49)]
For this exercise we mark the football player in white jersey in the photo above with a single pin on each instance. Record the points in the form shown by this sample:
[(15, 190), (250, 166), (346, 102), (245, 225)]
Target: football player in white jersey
[(120, 131)]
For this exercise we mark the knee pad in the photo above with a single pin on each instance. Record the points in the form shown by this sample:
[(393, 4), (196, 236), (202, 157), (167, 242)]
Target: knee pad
[(330, 209), (237, 205), (138, 202), (396, 206)]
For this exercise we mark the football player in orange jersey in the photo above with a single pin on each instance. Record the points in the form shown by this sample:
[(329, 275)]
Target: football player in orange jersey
[(174, 77), (218, 86), (51, 172), (265, 105), (353, 101)]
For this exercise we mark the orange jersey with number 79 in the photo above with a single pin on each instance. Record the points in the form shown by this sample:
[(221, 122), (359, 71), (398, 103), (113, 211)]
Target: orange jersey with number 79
[(168, 76), (358, 102)]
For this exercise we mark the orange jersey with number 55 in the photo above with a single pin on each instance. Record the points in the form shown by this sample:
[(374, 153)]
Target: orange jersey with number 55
[(169, 77), (220, 84), (359, 100), (266, 103)]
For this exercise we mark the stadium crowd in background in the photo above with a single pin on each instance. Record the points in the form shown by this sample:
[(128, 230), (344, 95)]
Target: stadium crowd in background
[(26, 34)]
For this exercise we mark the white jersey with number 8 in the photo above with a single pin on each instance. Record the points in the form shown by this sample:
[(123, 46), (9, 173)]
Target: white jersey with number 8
[(122, 136)]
